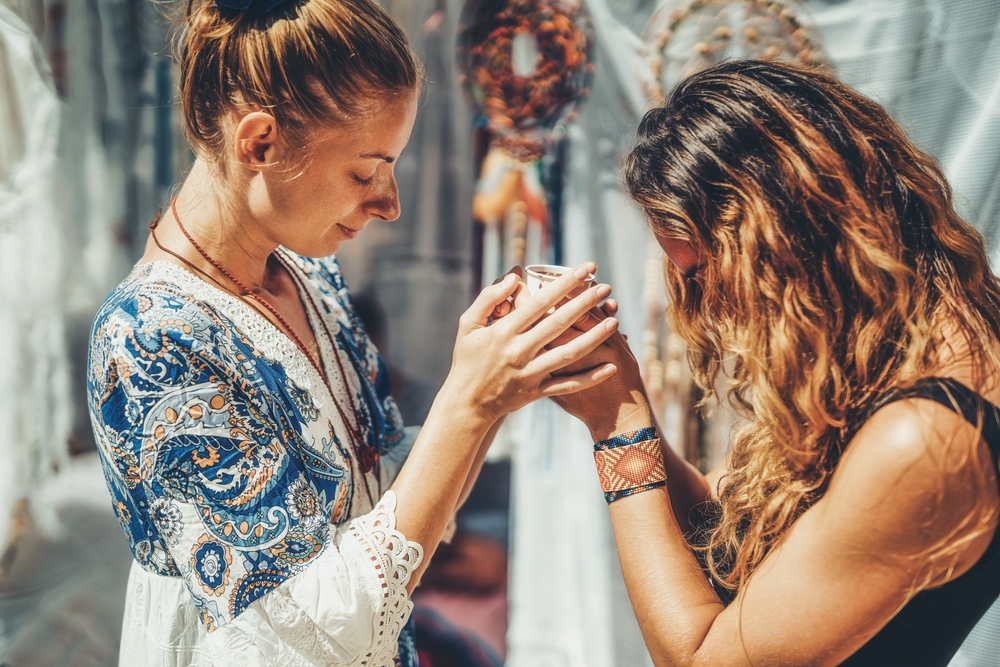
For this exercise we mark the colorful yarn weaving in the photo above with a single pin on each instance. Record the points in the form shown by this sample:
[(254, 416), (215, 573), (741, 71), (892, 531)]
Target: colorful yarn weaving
[(630, 464), (526, 65)]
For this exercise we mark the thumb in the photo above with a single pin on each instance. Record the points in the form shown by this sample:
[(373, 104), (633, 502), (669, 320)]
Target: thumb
[(478, 314)]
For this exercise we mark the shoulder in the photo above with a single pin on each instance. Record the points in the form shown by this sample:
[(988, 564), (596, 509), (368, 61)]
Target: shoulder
[(917, 480), (149, 301), (917, 439), (150, 327)]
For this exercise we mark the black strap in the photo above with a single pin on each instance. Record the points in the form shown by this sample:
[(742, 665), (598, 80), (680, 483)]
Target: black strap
[(955, 396)]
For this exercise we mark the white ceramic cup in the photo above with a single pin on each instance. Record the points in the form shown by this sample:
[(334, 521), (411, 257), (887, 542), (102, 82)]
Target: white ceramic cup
[(538, 276)]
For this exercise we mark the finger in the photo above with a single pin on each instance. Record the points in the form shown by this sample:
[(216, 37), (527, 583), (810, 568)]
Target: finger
[(521, 295), (562, 319), (545, 299), (517, 270), (574, 383), (567, 336), (601, 313), (502, 310), (597, 315), (478, 314), (557, 358), (590, 319)]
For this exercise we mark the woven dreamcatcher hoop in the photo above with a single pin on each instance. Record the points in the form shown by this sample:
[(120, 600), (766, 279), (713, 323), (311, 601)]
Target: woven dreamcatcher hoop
[(686, 37), (526, 65)]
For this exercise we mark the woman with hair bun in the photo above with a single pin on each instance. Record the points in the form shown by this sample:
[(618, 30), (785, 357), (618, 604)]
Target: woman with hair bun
[(256, 460), (817, 266)]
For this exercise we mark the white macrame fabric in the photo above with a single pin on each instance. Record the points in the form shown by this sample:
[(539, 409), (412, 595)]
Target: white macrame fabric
[(345, 609), (34, 400)]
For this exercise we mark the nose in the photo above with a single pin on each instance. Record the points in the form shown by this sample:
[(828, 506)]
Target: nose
[(384, 200)]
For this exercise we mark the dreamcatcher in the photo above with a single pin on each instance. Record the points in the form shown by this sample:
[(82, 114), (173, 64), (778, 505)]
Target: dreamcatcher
[(526, 66), (682, 38)]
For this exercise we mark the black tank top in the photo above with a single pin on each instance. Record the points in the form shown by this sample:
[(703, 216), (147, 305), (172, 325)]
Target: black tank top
[(929, 630)]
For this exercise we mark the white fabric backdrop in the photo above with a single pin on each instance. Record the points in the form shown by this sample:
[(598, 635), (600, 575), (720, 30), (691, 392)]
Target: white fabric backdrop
[(34, 401)]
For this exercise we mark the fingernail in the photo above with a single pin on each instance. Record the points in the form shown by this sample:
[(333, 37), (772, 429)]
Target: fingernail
[(604, 291), (509, 279), (610, 369), (581, 272), (611, 324)]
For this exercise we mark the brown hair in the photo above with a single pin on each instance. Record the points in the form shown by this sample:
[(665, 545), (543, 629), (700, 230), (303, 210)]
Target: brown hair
[(308, 62), (831, 255)]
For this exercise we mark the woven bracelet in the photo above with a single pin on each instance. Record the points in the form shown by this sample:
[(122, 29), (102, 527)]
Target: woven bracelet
[(630, 463)]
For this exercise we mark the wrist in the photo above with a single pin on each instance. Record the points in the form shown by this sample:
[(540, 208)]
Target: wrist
[(630, 463), (631, 417), (455, 403)]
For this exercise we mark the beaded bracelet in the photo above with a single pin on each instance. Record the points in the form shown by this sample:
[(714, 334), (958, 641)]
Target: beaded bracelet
[(630, 463)]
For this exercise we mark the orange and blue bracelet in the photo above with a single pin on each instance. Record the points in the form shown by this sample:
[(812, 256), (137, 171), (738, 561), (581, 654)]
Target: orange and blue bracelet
[(630, 463)]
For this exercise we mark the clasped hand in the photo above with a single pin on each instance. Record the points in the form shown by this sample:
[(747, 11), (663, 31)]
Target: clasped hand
[(500, 365), (620, 403)]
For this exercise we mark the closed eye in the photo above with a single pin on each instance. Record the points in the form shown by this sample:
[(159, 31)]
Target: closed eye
[(364, 181)]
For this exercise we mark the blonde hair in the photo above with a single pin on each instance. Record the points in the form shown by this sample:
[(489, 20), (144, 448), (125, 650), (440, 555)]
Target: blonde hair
[(831, 254), (308, 62)]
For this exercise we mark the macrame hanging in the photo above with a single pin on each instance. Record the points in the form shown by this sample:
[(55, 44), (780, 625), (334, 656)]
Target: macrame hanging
[(680, 39), (526, 66), (683, 38)]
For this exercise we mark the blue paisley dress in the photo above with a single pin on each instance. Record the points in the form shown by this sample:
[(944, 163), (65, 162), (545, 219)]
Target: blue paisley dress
[(262, 533)]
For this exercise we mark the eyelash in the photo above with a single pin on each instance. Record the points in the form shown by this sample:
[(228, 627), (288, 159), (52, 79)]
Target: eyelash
[(364, 181)]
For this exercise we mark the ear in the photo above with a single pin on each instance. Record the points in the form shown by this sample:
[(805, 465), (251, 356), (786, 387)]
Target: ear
[(256, 139)]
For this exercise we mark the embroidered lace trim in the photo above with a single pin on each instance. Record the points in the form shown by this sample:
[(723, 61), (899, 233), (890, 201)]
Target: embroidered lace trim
[(275, 630), (394, 559), (328, 347), (390, 558)]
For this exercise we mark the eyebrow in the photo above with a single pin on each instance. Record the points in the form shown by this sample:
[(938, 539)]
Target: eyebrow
[(381, 156)]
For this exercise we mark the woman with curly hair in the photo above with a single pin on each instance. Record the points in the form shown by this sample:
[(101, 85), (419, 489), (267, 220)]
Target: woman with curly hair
[(815, 261)]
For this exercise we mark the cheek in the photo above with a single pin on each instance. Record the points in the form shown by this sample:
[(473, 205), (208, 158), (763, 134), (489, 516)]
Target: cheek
[(681, 253)]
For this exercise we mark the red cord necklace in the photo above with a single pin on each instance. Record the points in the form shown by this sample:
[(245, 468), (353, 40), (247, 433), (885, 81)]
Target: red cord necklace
[(358, 440)]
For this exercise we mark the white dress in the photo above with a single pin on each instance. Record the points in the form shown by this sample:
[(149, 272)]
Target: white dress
[(256, 525)]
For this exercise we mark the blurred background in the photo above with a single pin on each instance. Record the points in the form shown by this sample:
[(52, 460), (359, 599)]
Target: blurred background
[(527, 109)]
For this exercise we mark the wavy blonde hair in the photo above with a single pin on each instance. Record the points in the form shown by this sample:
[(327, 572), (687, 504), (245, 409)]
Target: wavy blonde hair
[(831, 256)]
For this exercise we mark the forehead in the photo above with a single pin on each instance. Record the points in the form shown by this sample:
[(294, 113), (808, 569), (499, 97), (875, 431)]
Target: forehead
[(380, 134)]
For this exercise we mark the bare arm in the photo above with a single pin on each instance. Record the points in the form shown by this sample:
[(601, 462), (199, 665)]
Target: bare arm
[(841, 572), (689, 489), (477, 463)]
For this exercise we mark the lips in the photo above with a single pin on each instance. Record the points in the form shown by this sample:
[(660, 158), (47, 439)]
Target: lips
[(348, 232)]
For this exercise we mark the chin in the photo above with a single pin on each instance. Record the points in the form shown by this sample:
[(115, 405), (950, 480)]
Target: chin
[(322, 248)]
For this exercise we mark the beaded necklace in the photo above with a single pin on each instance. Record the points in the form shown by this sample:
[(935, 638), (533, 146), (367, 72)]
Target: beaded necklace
[(358, 441)]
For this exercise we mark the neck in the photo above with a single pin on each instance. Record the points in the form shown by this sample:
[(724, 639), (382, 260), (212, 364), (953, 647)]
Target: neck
[(235, 239)]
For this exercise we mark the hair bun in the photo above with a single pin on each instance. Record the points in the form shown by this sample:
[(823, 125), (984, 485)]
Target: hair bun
[(255, 6)]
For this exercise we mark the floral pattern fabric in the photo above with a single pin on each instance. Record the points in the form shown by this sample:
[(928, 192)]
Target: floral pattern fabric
[(228, 457)]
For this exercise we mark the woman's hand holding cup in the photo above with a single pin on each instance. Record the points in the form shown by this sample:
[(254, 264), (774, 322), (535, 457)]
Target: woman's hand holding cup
[(500, 365)]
